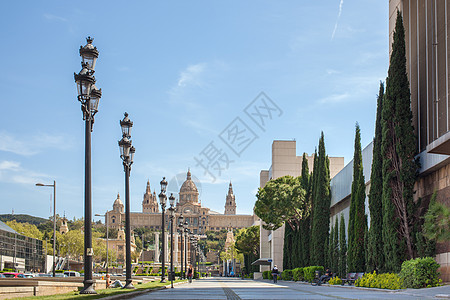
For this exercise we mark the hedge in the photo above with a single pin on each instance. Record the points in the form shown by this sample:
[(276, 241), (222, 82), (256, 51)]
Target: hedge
[(310, 272), (266, 275), (420, 272), (389, 281), (286, 275), (298, 274)]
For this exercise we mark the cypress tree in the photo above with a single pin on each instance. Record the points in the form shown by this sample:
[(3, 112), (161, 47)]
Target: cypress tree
[(399, 166), (357, 225), (321, 207), (287, 248), (331, 249), (343, 249), (375, 253), (336, 254), (304, 226), (313, 190)]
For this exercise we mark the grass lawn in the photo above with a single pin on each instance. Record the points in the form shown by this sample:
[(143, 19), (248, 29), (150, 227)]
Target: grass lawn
[(103, 293)]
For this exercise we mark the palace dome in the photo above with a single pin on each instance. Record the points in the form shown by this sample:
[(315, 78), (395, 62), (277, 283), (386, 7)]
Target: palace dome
[(188, 186), (118, 201)]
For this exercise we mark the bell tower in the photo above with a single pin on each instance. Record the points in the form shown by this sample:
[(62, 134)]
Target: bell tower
[(230, 203), (149, 203)]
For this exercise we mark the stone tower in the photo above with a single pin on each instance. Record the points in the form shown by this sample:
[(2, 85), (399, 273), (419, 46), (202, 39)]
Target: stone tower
[(149, 204), (230, 203), (63, 228), (118, 205)]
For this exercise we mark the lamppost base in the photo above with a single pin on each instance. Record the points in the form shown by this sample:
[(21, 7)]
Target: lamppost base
[(129, 285), (88, 287)]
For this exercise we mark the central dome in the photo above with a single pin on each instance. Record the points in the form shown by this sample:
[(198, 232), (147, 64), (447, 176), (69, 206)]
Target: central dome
[(188, 186)]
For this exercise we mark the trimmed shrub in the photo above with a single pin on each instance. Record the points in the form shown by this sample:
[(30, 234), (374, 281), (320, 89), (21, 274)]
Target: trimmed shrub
[(286, 275), (389, 281), (420, 272), (335, 280), (310, 272), (266, 275), (297, 274)]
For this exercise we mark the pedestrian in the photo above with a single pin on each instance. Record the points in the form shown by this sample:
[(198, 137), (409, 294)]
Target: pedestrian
[(275, 274), (189, 274), (324, 278)]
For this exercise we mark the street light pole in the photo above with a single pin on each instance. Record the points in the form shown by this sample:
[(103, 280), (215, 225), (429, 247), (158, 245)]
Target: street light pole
[(172, 210), (127, 154), (89, 96), (54, 222), (162, 199), (182, 247), (107, 238)]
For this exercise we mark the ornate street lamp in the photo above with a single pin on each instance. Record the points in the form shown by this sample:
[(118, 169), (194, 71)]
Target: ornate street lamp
[(186, 240), (162, 200), (127, 155), (172, 212), (89, 97), (181, 231)]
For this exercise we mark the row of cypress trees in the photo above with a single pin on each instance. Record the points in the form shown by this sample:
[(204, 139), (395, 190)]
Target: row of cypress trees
[(307, 243)]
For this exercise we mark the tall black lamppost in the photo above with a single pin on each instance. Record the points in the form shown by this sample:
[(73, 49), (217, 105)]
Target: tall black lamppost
[(181, 231), (186, 240), (89, 97), (127, 154), (171, 211), (162, 199)]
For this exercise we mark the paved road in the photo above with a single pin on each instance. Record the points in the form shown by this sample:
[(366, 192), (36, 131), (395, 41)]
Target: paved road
[(234, 289)]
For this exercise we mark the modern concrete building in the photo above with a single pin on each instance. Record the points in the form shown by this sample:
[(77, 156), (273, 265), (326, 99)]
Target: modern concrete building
[(284, 162), (426, 25)]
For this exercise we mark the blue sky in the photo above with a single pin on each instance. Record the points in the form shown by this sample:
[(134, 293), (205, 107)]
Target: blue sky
[(184, 71)]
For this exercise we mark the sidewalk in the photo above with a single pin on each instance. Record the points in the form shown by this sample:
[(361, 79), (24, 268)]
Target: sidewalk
[(440, 292)]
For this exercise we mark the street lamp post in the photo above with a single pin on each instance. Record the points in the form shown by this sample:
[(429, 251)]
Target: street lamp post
[(172, 211), (162, 199), (54, 221), (89, 96), (107, 239), (181, 230), (186, 240), (127, 154)]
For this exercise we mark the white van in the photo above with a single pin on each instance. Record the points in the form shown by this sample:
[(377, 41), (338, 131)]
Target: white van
[(72, 274)]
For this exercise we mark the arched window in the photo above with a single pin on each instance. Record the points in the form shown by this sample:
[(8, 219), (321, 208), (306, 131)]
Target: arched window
[(113, 219)]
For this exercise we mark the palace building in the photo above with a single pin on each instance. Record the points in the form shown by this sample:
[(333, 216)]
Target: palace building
[(199, 218)]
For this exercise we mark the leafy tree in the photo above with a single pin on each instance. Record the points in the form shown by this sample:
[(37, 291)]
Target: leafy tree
[(437, 221), (357, 225), (281, 200), (375, 253), (321, 207), (342, 249), (26, 229), (399, 165), (247, 243)]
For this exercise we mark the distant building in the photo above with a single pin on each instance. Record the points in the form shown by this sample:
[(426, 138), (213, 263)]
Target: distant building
[(284, 162), (199, 218), (20, 252)]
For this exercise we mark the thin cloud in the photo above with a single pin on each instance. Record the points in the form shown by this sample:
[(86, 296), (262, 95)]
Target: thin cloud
[(28, 146), (12, 172), (51, 17), (335, 98), (192, 75), (337, 21)]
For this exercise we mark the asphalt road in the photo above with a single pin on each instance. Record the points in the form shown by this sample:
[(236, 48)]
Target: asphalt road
[(234, 288)]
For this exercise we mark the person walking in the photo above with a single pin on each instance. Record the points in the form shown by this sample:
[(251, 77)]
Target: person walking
[(275, 274), (189, 274)]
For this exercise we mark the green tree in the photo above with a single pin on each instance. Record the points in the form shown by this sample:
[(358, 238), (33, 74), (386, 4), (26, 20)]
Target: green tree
[(321, 207), (375, 253), (342, 249), (281, 200), (331, 257), (304, 232), (247, 243), (357, 225), (399, 165), (437, 221), (26, 229)]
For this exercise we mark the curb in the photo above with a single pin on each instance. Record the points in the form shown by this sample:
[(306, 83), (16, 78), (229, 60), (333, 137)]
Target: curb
[(446, 296), (140, 292)]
